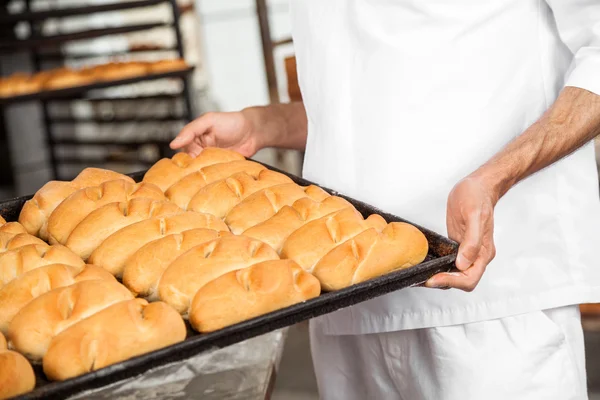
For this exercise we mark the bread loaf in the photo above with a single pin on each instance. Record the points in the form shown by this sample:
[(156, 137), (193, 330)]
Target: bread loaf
[(66, 79), (55, 311), (262, 205), (108, 219), (16, 375), (167, 171), (14, 263), (218, 198), (312, 241), (250, 292), (117, 71), (11, 241), (167, 66), (200, 265), (182, 191), (276, 229), (13, 228), (81, 203), (35, 212), (371, 254), (20, 291), (118, 247), (143, 270), (119, 332)]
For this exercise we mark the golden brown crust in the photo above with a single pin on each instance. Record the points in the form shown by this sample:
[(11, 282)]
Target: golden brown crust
[(168, 65), (118, 71), (143, 270), (81, 203), (55, 311), (250, 292), (117, 333), (167, 171), (11, 241), (200, 265), (116, 249), (16, 374)]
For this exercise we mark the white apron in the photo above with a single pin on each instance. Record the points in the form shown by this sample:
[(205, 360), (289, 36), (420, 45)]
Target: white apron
[(406, 97)]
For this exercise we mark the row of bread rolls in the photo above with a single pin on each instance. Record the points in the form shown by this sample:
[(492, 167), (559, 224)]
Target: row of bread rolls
[(65, 77)]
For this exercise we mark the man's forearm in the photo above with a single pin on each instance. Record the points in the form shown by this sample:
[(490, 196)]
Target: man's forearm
[(572, 121), (279, 125)]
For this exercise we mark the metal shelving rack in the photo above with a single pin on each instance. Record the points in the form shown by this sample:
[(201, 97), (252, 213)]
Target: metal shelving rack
[(44, 49)]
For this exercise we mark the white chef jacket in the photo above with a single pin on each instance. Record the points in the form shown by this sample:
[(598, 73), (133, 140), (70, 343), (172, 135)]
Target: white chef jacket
[(406, 97)]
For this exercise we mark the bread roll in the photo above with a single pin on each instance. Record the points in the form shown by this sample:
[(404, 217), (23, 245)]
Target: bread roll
[(20, 291), (16, 374), (218, 198), (168, 65), (119, 332), (80, 204), (182, 192), (117, 71), (14, 263), (3, 344), (312, 241), (13, 228), (55, 311), (118, 247), (276, 229), (370, 254), (108, 219), (143, 270), (167, 171), (200, 265), (264, 204), (67, 79), (247, 293), (35, 212), (11, 241)]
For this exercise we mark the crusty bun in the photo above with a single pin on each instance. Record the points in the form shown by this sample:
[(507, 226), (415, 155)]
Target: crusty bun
[(167, 171), (125, 70), (14, 263), (200, 265), (17, 293), (11, 241), (108, 219), (182, 192), (118, 247), (117, 333), (78, 205), (35, 212), (218, 198), (13, 228), (66, 79), (16, 374), (55, 311), (250, 292), (370, 254), (312, 241), (263, 204), (276, 229), (143, 270), (167, 66)]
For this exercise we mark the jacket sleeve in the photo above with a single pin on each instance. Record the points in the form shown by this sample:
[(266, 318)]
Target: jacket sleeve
[(578, 23)]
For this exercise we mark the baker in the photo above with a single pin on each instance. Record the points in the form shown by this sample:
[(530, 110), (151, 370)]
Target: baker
[(469, 117)]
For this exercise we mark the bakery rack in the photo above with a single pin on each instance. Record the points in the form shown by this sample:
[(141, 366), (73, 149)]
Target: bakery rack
[(47, 50)]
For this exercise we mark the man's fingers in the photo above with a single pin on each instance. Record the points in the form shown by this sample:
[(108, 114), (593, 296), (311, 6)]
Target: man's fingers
[(469, 248), (464, 280), (189, 132)]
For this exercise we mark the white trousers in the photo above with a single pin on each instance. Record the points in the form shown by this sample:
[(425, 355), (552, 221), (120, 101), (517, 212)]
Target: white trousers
[(533, 356)]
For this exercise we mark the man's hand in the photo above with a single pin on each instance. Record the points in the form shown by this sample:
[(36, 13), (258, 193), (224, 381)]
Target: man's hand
[(470, 220)]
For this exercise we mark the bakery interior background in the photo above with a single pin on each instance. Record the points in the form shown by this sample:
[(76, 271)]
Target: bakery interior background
[(242, 55)]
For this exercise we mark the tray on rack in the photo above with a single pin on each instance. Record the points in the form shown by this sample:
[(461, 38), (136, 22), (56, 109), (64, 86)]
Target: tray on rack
[(442, 253), (76, 90)]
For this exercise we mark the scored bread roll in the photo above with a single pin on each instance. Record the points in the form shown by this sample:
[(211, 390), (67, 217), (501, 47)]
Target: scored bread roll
[(218, 198), (11, 241), (182, 191), (108, 219), (117, 333), (81, 203), (114, 252), (36, 211), (55, 311), (276, 229), (265, 203), (249, 292), (310, 242), (371, 254), (17, 293), (13, 228), (16, 374), (14, 263), (167, 171), (200, 265), (144, 268)]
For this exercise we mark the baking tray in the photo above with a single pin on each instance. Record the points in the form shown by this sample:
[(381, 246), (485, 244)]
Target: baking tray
[(77, 90), (441, 257)]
